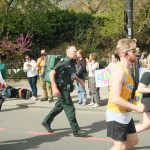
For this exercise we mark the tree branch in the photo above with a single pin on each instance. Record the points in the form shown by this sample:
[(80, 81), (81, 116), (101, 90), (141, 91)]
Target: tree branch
[(93, 9)]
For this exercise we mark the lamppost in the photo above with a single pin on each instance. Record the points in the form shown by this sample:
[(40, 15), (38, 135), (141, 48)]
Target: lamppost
[(128, 23), (128, 16)]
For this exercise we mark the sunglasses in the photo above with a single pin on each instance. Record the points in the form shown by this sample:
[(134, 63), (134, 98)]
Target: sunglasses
[(133, 50)]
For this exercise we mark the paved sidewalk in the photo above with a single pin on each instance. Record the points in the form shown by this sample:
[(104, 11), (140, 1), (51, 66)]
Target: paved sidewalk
[(38, 104)]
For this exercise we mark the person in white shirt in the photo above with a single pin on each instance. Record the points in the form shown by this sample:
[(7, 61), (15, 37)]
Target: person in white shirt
[(92, 66), (30, 67)]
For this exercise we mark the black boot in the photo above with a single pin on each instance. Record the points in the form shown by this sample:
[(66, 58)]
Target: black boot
[(80, 133), (47, 127)]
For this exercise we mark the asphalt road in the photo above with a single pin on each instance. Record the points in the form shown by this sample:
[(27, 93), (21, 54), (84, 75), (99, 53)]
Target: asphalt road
[(21, 129)]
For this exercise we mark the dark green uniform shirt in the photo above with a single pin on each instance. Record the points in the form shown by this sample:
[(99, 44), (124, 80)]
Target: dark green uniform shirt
[(65, 71)]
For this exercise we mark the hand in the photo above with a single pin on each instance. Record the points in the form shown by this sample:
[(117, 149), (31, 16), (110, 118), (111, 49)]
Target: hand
[(107, 68), (28, 65), (139, 108), (80, 81), (87, 59), (55, 91)]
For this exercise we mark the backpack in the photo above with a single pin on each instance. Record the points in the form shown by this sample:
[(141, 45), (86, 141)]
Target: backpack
[(50, 62), (3, 70), (25, 93)]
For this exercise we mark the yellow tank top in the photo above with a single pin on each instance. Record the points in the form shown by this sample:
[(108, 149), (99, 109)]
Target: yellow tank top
[(125, 93)]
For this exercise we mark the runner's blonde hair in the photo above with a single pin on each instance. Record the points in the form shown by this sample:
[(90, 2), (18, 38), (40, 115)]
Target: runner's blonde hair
[(125, 45)]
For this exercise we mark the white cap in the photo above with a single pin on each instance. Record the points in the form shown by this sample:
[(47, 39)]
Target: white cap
[(43, 51)]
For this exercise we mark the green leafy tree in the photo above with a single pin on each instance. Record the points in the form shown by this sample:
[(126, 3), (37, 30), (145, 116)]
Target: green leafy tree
[(142, 23), (6, 6)]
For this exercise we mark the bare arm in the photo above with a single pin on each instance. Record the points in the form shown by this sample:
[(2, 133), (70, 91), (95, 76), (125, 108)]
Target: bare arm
[(144, 83), (80, 81), (53, 83), (142, 88)]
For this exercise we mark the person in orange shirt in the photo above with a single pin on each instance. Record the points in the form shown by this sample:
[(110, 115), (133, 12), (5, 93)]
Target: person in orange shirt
[(46, 87)]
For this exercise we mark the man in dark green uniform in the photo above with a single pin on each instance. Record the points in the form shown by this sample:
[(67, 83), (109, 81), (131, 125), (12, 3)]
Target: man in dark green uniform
[(62, 77)]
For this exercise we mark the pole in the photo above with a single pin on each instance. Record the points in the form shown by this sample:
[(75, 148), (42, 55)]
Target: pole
[(129, 18), (128, 22)]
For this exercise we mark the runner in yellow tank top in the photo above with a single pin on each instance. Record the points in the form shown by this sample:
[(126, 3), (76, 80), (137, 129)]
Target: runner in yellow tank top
[(120, 125), (125, 93)]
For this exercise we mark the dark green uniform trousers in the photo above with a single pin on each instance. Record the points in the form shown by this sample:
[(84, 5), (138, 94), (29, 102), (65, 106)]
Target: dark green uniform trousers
[(64, 103)]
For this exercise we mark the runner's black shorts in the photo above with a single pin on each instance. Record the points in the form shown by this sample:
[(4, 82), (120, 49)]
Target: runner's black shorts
[(118, 131)]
